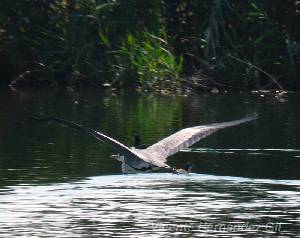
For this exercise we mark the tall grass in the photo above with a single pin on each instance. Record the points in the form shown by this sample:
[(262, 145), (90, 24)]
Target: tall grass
[(147, 58), (152, 44), (255, 31)]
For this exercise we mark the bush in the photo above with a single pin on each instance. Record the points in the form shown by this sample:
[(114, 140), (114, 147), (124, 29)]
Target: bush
[(148, 59)]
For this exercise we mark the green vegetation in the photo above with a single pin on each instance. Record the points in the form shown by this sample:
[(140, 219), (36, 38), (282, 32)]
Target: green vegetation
[(150, 61), (152, 45)]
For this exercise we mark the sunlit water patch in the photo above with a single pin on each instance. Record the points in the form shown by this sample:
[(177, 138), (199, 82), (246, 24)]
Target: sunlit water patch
[(43, 168), (254, 151), (156, 205)]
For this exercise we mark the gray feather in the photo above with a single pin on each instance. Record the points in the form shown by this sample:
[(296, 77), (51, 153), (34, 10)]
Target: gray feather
[(186, 138), (157, 154)]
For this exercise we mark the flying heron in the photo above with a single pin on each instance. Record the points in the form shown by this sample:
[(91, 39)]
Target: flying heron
[(154, 156)]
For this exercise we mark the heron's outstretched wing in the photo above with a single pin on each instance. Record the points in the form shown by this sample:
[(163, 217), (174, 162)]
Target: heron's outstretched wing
[(133, 157), (187, 137)]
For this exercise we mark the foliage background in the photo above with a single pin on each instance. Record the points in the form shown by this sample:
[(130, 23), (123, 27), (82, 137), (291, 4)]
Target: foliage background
[(159, 44)]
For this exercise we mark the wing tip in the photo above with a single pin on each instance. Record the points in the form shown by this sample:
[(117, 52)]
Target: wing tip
[(251, 116)]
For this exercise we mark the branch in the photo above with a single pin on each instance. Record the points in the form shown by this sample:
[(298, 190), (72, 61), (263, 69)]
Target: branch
[(259, 69)]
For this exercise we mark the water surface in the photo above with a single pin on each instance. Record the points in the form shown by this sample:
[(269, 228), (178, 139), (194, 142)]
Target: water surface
[(58, 182)]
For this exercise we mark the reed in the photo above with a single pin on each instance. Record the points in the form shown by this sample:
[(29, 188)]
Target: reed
[(148, 59), (152, 44)]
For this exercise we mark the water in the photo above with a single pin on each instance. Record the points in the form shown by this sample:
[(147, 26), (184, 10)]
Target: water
[(58, 182)]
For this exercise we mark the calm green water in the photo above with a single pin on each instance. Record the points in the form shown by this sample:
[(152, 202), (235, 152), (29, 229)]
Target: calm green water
[(58, 182)]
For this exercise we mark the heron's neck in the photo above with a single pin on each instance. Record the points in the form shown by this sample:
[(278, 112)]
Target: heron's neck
[(137, 141)]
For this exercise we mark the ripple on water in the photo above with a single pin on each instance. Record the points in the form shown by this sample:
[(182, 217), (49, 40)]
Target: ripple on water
[(159, 205)]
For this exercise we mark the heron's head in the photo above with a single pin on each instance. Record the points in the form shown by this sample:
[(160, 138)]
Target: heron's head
[(117, 157)]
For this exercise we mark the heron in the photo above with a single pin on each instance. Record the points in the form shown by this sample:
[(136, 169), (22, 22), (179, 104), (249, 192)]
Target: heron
[(154, 156)]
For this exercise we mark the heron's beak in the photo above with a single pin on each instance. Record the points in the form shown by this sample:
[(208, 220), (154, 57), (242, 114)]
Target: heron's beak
[(114, 156)]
